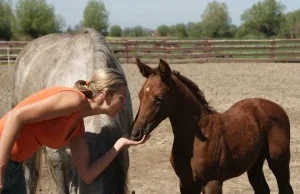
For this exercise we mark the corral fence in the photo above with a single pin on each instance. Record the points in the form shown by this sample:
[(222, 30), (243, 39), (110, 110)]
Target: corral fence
[(188, 51)]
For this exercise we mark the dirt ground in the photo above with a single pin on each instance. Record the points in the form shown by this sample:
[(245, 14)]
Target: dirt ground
[(223, 84)]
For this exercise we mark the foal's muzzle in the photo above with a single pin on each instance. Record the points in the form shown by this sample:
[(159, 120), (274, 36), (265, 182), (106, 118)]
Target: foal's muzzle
[(137, 135)]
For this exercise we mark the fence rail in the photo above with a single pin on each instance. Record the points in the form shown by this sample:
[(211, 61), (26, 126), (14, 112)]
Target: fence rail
[(188, 51)]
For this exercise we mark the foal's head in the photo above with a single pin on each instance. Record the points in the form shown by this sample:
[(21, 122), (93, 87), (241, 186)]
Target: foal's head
[(157, 98)]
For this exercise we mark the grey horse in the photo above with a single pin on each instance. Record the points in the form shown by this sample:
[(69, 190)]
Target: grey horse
[(62, 59)]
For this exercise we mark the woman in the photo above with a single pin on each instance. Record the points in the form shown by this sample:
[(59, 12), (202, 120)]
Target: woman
[(54, 117)]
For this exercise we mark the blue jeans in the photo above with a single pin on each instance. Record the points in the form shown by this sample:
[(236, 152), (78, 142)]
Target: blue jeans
[(14, 180)]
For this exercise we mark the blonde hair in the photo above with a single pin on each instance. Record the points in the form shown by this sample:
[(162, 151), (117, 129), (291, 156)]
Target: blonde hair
[(106, 78)]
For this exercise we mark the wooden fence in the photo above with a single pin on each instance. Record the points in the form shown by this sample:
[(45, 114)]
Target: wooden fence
[(188, 51)]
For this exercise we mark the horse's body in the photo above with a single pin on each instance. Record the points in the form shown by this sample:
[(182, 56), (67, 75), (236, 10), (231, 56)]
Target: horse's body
[(211, 147), (62, 59)]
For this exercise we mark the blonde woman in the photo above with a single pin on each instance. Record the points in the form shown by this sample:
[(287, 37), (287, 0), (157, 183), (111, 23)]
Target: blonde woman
[(54, 117)]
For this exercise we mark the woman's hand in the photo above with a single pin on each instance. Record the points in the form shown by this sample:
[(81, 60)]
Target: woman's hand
[(126, 143)]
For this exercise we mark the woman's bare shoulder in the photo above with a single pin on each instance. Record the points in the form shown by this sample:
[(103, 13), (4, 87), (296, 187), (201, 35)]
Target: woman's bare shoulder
[(72, 97)]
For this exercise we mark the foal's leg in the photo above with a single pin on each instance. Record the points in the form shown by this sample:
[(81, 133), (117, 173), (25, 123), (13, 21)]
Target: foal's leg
[(280, 168), (279, 157), (213, 187), (257, 179), (192, 187)]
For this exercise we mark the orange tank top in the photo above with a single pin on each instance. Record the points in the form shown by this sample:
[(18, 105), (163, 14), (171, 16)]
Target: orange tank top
[(53, 133)]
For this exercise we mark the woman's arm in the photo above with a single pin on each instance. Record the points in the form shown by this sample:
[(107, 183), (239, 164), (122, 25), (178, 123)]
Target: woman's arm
[(80, 154)]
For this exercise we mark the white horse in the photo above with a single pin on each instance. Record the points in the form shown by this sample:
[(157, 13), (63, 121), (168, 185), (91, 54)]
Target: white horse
[(62, 59)]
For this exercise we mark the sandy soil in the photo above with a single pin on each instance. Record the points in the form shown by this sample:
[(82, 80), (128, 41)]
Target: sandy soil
[(223, 84)]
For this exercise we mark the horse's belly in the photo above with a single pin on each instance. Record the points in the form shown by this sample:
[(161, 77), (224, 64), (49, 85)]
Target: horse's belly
[(239, 164), (238, 158)]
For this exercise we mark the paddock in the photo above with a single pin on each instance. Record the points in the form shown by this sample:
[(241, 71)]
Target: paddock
[(223, 84)]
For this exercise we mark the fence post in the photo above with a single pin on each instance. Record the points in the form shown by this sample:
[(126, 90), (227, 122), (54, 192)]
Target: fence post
[(126, 49), (7, 53), (273, 49), (208, 50), (165, 49)]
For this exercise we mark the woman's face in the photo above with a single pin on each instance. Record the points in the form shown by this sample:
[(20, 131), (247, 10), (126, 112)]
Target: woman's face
[(116, 101)]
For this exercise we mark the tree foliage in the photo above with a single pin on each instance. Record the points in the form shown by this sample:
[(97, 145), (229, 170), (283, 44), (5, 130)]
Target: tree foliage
[(136, 31), (6, 20), (162, 30), (181, 31), (263, 17), (178, 30), (35, 18), (290, 26), (115, 31), (96, 16), (215, 20), (194, 29)]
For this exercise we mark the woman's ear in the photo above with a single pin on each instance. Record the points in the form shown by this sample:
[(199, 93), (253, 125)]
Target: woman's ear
[(105, 93), (102, 95)]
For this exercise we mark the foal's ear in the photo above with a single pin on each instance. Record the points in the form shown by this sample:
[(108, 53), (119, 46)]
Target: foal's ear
[(144, 69), (164, 68)]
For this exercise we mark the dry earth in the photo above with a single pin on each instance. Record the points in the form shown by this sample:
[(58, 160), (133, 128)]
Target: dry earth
[(223, 84)]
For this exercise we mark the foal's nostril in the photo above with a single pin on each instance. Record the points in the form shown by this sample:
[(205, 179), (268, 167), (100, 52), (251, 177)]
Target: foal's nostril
[(137, 134)]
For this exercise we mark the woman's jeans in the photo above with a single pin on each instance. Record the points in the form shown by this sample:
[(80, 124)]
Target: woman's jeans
[(14, 180)]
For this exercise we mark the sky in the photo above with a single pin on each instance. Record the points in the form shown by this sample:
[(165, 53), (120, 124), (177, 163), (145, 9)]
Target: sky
[(152, 13)]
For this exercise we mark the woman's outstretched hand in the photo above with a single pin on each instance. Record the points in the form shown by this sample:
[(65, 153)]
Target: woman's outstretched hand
[(126, 143)]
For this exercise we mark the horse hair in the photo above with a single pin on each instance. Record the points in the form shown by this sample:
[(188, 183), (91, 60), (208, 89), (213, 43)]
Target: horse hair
[(194, 89)]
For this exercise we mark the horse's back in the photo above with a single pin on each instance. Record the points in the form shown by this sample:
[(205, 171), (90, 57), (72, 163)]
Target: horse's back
[(55, 59), (262, 120), (264, 111)]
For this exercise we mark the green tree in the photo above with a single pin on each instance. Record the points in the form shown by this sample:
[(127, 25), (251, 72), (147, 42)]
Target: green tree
[(138, 31), (181, 31), (6, 20), (172, 30), (194, 30), (162, 30), (215, 20), (35, 18), (127, 32), (263, 17), (73, 30), (115, 31), (290, 26), (95, 16), (231, 32)]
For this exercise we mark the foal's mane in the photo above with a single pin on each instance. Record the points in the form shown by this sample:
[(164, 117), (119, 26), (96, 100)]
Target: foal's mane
[(194, 89)]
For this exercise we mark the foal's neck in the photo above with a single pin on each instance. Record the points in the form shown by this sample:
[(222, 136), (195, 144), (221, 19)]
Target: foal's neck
[(190, 116)]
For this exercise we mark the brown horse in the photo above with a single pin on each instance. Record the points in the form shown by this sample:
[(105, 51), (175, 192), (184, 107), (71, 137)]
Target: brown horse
[(211, 147)]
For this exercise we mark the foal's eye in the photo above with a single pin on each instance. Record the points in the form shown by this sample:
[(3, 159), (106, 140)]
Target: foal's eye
[(158, 100)]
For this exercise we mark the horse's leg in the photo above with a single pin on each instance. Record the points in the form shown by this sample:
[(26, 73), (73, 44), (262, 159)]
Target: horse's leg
[(279, 157), (191, 188), (256, 177), (31, 173), (57, 163), (73, 176), (280, 168), (213, 187)]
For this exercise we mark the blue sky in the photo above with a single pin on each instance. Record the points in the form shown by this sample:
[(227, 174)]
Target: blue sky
[(152, 13)]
